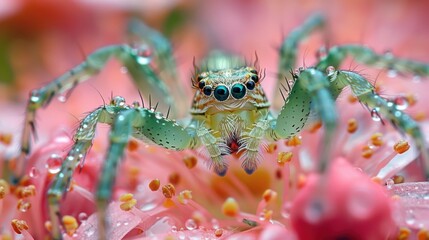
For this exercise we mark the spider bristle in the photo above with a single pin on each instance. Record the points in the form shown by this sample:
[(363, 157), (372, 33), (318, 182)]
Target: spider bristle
[(283, 96), (168, 112)]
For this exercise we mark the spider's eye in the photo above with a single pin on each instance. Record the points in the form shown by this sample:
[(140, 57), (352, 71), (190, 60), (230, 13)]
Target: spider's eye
[(253, 71), (238, 91), (221, 93), (201, 84), (207, 90), (199, 78), (255, 78), (250, 85)]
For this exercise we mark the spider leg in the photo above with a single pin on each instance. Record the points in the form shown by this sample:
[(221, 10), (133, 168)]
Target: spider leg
[(365, 55), (83, 142), (310, 91), (137, 64), (364, 91), (289, 49)]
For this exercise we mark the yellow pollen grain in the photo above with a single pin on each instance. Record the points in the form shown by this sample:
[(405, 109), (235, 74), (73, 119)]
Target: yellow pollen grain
[(423, 234), (377, 180), (154, 184), (218, 232), (70, 224), (133, 145), (128, 205), (48, 226), (272, 147), (294, 141), (401, 146), (168, 190), (420, 116), (23, 205), (367, 152), (190, 161), (269, 195), (315, 126), (352, 98), (174, 178), (352, 125), (4, 188), (398, 179), (19, 225), (377, 139), (404, 233), (126, 197), (27, 191), (230, 207), (284, 157), (6, 138)]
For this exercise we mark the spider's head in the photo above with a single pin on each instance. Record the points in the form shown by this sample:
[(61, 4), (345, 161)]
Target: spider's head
[(227, 84)]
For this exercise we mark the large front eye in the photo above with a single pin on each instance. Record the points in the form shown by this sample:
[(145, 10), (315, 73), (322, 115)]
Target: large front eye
[(221, 93), (238, 90)]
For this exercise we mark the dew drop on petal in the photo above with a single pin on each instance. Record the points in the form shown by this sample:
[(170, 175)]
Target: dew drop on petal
[(34, 172), (173, 229), (53, 164), (392, 73), (215, 223), (410, 218), (285, 212), (374, 115), (62, 98), (82, 216), (360, 202), (401, 102), (190, 224), (389, 183), (124, 70)]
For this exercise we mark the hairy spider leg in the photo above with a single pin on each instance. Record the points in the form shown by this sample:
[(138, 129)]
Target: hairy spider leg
[(403, 66), (138, 66), (289, 49)]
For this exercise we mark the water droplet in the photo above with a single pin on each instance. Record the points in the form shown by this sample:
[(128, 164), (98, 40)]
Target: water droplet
[(158, 115), (392, 73), (119, 101), (330, 70), (360, 202), (124, 70), (82, 216), (34, 98), (190, 224), (34, 172), (126, 223), (401, 102), (62, 98), (89, 232), (314, 211), (173, 229), (286, 209), (53, 164), (143, 54), (118, 224), (182, 235), (410, 218), (389, 183), (374, 115), (215, 223)]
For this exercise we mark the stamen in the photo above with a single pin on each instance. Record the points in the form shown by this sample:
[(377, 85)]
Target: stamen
[(423, 234), (48, 226), (133, 145), (190, 161), (352, 125), (284, 157), (27, 191), (154, 184), (377, 139), (70, 224), (230, 207), (23, 205), (404, 233), (6, 138), (19, 225), (174, 178), (269, 195), (294, 141), (367, 152), (401, 146), (168, 190), (128, 201)]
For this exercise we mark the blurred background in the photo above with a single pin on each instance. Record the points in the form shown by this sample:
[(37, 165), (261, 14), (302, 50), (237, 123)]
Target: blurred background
[(42, 39)]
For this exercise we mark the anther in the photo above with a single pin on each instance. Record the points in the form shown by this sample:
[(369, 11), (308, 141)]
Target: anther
[(133, 145), (272, 147), (4, 188), (423, 234), (401, 146), (19, 225), (367, 152), (70, 224), (284, 157), (269, 195), (398, 179), (128, 201), (377, 139), (352, 125), (294, 141), (6, 138), (174, 178), (190, 161), (154, 184), (168, 190), (230, 207), (404, 233)]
